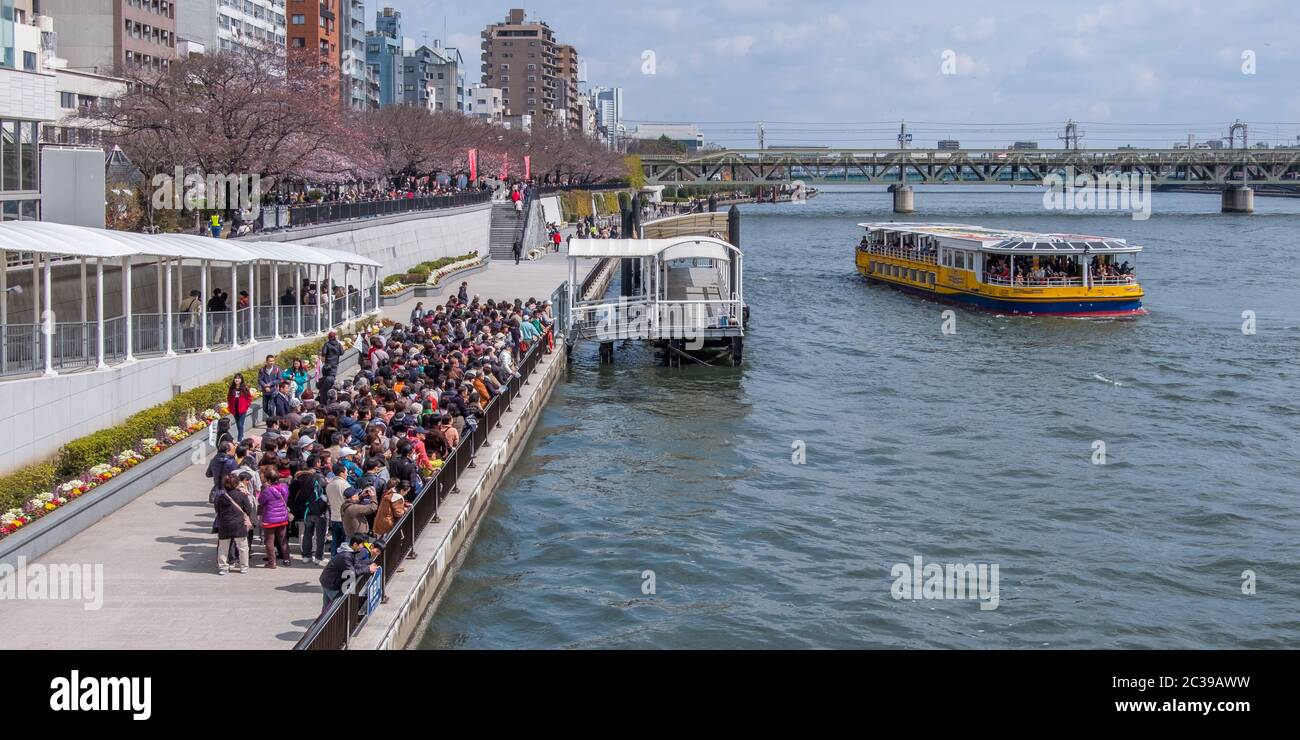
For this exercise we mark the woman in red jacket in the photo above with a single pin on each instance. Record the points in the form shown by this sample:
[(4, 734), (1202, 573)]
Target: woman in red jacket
[(239, 398)]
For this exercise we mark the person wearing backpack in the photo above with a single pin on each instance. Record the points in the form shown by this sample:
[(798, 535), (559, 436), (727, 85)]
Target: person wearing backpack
[(317, 520)]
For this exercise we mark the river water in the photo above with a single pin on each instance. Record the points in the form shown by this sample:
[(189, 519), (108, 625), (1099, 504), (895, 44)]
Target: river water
[(968, 448)]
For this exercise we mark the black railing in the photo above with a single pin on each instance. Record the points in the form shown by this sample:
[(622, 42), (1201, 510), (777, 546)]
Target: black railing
[(334, 628), (304, 214)]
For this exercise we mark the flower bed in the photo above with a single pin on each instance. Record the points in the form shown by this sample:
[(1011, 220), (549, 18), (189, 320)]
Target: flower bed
[(67, 491), (429, 273), (85, 463)]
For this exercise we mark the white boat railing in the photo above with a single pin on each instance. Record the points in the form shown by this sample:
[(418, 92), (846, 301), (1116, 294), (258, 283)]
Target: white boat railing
[(1024, 282), (915, 255)]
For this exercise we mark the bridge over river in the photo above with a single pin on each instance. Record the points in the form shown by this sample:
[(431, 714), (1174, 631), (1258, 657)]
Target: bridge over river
[(1233, 171)]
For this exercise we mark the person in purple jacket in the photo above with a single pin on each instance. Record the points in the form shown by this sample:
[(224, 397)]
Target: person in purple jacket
[(273, 503)]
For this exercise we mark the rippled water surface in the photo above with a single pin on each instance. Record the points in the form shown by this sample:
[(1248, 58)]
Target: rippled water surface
[(970, 448)]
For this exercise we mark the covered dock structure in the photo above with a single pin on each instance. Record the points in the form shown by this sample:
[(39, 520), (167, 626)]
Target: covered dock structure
[(684, 293), (76, 298)]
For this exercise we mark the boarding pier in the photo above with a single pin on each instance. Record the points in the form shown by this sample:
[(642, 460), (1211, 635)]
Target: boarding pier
[(682, 291)]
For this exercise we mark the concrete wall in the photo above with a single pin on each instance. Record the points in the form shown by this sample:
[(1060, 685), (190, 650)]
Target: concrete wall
[(38, 415), (72, 186), (402, 242), (551, 209)]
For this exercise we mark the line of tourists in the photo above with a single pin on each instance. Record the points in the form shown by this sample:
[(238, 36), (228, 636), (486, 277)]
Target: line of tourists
[(340, 461)]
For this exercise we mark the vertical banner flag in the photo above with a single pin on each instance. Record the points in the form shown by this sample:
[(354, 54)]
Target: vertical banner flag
[(505, 166), (473, 165), (528, 167)]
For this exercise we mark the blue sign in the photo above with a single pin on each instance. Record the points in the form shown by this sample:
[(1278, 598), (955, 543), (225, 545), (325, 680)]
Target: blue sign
[(375, 590)]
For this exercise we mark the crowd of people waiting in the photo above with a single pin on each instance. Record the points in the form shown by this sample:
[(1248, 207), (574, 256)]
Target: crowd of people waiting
[(341, 460)]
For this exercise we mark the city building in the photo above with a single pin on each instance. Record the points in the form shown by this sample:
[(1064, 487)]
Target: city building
[(521, 57), (686, 134), (27, 103), (519, 123), (99, 36), (569, 73), (485, 104), (449, 77), (384, 55), (79, 92), (314, 25), (223, 25), (949, 144), (607, 104), (417, 78), (44, 148), (358, 82)]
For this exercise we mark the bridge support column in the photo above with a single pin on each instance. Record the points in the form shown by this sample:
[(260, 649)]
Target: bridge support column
[(607, 353), (904, 200), (1238, 199)]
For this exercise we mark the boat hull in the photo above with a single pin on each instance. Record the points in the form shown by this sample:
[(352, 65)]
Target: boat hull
[(1102, 308)]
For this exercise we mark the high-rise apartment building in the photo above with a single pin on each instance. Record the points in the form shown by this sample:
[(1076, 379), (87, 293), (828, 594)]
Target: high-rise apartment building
[(522, 58), (103, 35), (568, 74)]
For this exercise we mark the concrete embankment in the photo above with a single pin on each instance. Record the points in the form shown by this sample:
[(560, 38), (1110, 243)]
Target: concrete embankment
[(412, 594)]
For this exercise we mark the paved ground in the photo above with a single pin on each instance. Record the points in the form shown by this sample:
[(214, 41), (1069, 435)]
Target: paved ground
[(160, 585)]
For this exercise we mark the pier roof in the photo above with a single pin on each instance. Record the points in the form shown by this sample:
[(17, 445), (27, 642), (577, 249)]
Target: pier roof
[(703, 247), (44, 237)]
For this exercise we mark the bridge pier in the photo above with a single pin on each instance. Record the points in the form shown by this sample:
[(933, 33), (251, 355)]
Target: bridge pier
[(1238, 199), (904, 200)]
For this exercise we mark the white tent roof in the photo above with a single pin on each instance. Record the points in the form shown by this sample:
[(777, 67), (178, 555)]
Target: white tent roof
[(79, 241), (666, 249)]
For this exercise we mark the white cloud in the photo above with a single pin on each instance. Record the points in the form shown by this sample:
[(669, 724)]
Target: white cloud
[(981, 30), (733, 46)]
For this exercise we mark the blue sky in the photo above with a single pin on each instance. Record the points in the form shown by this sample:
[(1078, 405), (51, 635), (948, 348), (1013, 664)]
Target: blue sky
[(819, 72)]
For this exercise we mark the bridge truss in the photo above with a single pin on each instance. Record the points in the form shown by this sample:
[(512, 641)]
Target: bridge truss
[(1166, 167)]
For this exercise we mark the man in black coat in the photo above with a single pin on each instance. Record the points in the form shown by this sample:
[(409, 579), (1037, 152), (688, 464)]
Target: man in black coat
[(330, 353)]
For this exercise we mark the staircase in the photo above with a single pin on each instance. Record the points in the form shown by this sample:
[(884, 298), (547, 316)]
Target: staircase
[(504, 231)]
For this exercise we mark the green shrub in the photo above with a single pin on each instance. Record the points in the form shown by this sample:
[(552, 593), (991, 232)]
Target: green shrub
[(20, 487)]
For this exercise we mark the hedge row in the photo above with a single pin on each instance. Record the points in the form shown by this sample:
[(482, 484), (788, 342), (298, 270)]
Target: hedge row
[(81, 454)]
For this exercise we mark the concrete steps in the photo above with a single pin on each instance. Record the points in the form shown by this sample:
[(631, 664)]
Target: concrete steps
[(504, 231)]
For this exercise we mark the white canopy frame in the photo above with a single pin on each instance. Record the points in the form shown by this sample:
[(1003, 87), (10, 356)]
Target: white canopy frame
[(654, 255), (46, 241)]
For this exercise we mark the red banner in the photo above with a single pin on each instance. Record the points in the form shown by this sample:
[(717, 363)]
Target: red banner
[(473, 165), (528, 167)]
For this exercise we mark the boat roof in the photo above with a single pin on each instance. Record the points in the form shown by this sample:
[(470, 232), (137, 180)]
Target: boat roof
[(1008, 240)]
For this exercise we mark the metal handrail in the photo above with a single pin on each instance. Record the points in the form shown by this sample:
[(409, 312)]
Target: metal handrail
[(1022, 281), (75, 343), (276, 217), (901, 253), (334, 628)]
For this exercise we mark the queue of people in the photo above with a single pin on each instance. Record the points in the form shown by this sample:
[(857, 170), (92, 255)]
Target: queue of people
[(340, 462)]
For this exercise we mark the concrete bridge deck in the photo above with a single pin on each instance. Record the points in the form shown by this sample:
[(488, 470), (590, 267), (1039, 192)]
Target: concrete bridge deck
[(160, 584)]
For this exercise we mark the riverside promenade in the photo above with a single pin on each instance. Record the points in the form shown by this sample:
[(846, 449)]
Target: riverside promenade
[(160, 588)]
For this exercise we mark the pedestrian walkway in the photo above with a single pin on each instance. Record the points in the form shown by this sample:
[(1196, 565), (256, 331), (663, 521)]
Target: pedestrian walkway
[(160, 584)]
